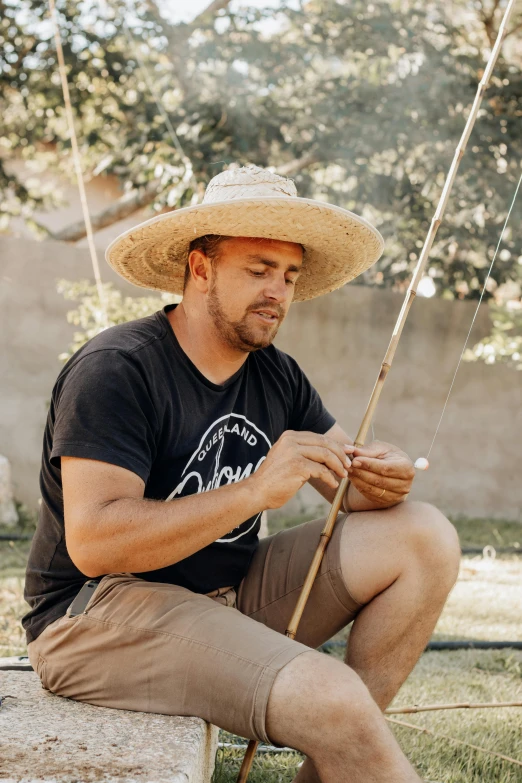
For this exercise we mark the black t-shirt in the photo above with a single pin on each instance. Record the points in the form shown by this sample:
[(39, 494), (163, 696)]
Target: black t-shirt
[(132, 397)]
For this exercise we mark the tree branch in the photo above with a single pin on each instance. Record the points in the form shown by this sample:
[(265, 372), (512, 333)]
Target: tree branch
[(514, 30), (136, 199), (211, 10), (489, 21), (122, 208), (297, 165), (178, 36)]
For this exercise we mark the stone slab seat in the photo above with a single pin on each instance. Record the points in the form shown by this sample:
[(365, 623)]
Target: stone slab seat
[(44, 737)]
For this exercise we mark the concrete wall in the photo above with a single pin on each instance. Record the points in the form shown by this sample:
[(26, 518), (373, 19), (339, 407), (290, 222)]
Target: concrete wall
[(33, 332), (339, 340)]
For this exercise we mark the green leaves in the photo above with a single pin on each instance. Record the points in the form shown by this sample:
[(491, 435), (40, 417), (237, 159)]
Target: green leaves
[(363, 103), (504, 344), (89, 315)]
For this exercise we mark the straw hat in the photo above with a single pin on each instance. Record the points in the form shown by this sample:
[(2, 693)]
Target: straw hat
[(250, 202)]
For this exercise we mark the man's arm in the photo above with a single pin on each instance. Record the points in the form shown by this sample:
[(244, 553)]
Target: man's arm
[(110, 527), (377, 467)]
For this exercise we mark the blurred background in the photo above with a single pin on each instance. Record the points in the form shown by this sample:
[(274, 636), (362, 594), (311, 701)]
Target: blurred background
[(362, 104)]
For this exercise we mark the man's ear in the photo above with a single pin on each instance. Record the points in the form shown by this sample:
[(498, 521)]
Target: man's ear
[(200, 270)]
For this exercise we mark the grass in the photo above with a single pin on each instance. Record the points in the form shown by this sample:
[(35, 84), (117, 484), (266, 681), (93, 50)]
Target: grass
[(472, 531), (485, 604), (13, 557), (483, 532), (466, 675), (267, 767)]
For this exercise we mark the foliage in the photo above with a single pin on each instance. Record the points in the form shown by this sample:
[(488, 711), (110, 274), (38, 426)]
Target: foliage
[(504, 343), (89, 314), (362, 103)]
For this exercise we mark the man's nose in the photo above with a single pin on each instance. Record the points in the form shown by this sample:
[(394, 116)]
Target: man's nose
[(277, 289)]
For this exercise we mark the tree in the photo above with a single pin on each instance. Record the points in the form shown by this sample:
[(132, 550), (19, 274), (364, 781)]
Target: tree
[(362, 103), (504, 344), (91, 318)]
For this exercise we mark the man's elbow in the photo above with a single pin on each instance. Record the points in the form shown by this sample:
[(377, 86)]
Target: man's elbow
[(86, 564), (79, 545)]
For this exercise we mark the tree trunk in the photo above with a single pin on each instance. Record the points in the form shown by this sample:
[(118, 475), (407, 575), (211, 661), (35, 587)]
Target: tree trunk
[(125, 206)]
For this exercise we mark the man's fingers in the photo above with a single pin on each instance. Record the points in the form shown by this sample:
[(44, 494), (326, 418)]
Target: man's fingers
[(393, 468), (380, 481), (375, 449), (319, 471), (313, 439), (327, 457), (376, 493)]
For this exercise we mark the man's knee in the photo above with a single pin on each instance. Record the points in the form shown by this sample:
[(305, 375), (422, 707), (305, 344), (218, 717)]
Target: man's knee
[(378, 547), (432, 539), (317, 699)]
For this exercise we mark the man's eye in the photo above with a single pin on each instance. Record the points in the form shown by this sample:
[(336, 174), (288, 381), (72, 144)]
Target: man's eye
[(257, 274)]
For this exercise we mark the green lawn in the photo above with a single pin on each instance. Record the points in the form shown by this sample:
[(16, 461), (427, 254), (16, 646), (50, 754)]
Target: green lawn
[(496, 533), (472, 532), (486, 603)]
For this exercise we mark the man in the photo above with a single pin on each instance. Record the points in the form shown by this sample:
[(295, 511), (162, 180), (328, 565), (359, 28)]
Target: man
[(194, 406)]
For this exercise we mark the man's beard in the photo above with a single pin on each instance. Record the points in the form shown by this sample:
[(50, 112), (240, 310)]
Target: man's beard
[(238, 334)]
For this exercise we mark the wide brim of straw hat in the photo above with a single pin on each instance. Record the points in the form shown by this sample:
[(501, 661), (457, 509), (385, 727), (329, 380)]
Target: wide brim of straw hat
[(339, 245)]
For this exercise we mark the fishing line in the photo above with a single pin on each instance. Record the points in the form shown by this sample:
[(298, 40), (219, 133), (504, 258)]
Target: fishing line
[(475, 314)]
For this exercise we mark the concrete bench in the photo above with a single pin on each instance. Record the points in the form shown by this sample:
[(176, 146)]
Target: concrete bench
[(50, 739)]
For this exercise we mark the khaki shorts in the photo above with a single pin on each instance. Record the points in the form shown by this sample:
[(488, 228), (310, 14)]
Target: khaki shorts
[(156, 647)]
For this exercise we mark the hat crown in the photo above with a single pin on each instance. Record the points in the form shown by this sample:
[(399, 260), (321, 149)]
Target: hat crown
[(248, 182)]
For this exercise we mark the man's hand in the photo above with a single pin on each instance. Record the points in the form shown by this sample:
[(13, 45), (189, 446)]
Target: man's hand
[(381, 466), (294, 459)]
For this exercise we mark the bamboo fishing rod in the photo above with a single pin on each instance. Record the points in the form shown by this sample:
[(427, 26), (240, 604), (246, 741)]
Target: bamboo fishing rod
[(388, 358)]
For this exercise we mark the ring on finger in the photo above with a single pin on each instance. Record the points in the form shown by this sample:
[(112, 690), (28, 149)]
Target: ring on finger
[(382, 493)]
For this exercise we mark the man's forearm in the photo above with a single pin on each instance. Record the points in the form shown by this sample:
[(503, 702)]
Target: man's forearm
[(139, 535)]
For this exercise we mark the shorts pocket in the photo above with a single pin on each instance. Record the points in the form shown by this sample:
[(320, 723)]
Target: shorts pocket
[(105, 586), (93, 596)]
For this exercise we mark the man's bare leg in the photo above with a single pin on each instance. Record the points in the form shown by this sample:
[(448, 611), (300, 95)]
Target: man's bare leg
[(400, 563), (403, 569), (321, 707)]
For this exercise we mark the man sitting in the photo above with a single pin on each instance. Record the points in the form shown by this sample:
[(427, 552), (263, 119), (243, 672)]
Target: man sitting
[(195, 406)]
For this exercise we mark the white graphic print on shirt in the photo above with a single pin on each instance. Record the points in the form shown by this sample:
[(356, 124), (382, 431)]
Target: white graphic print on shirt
[(232, 439)]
